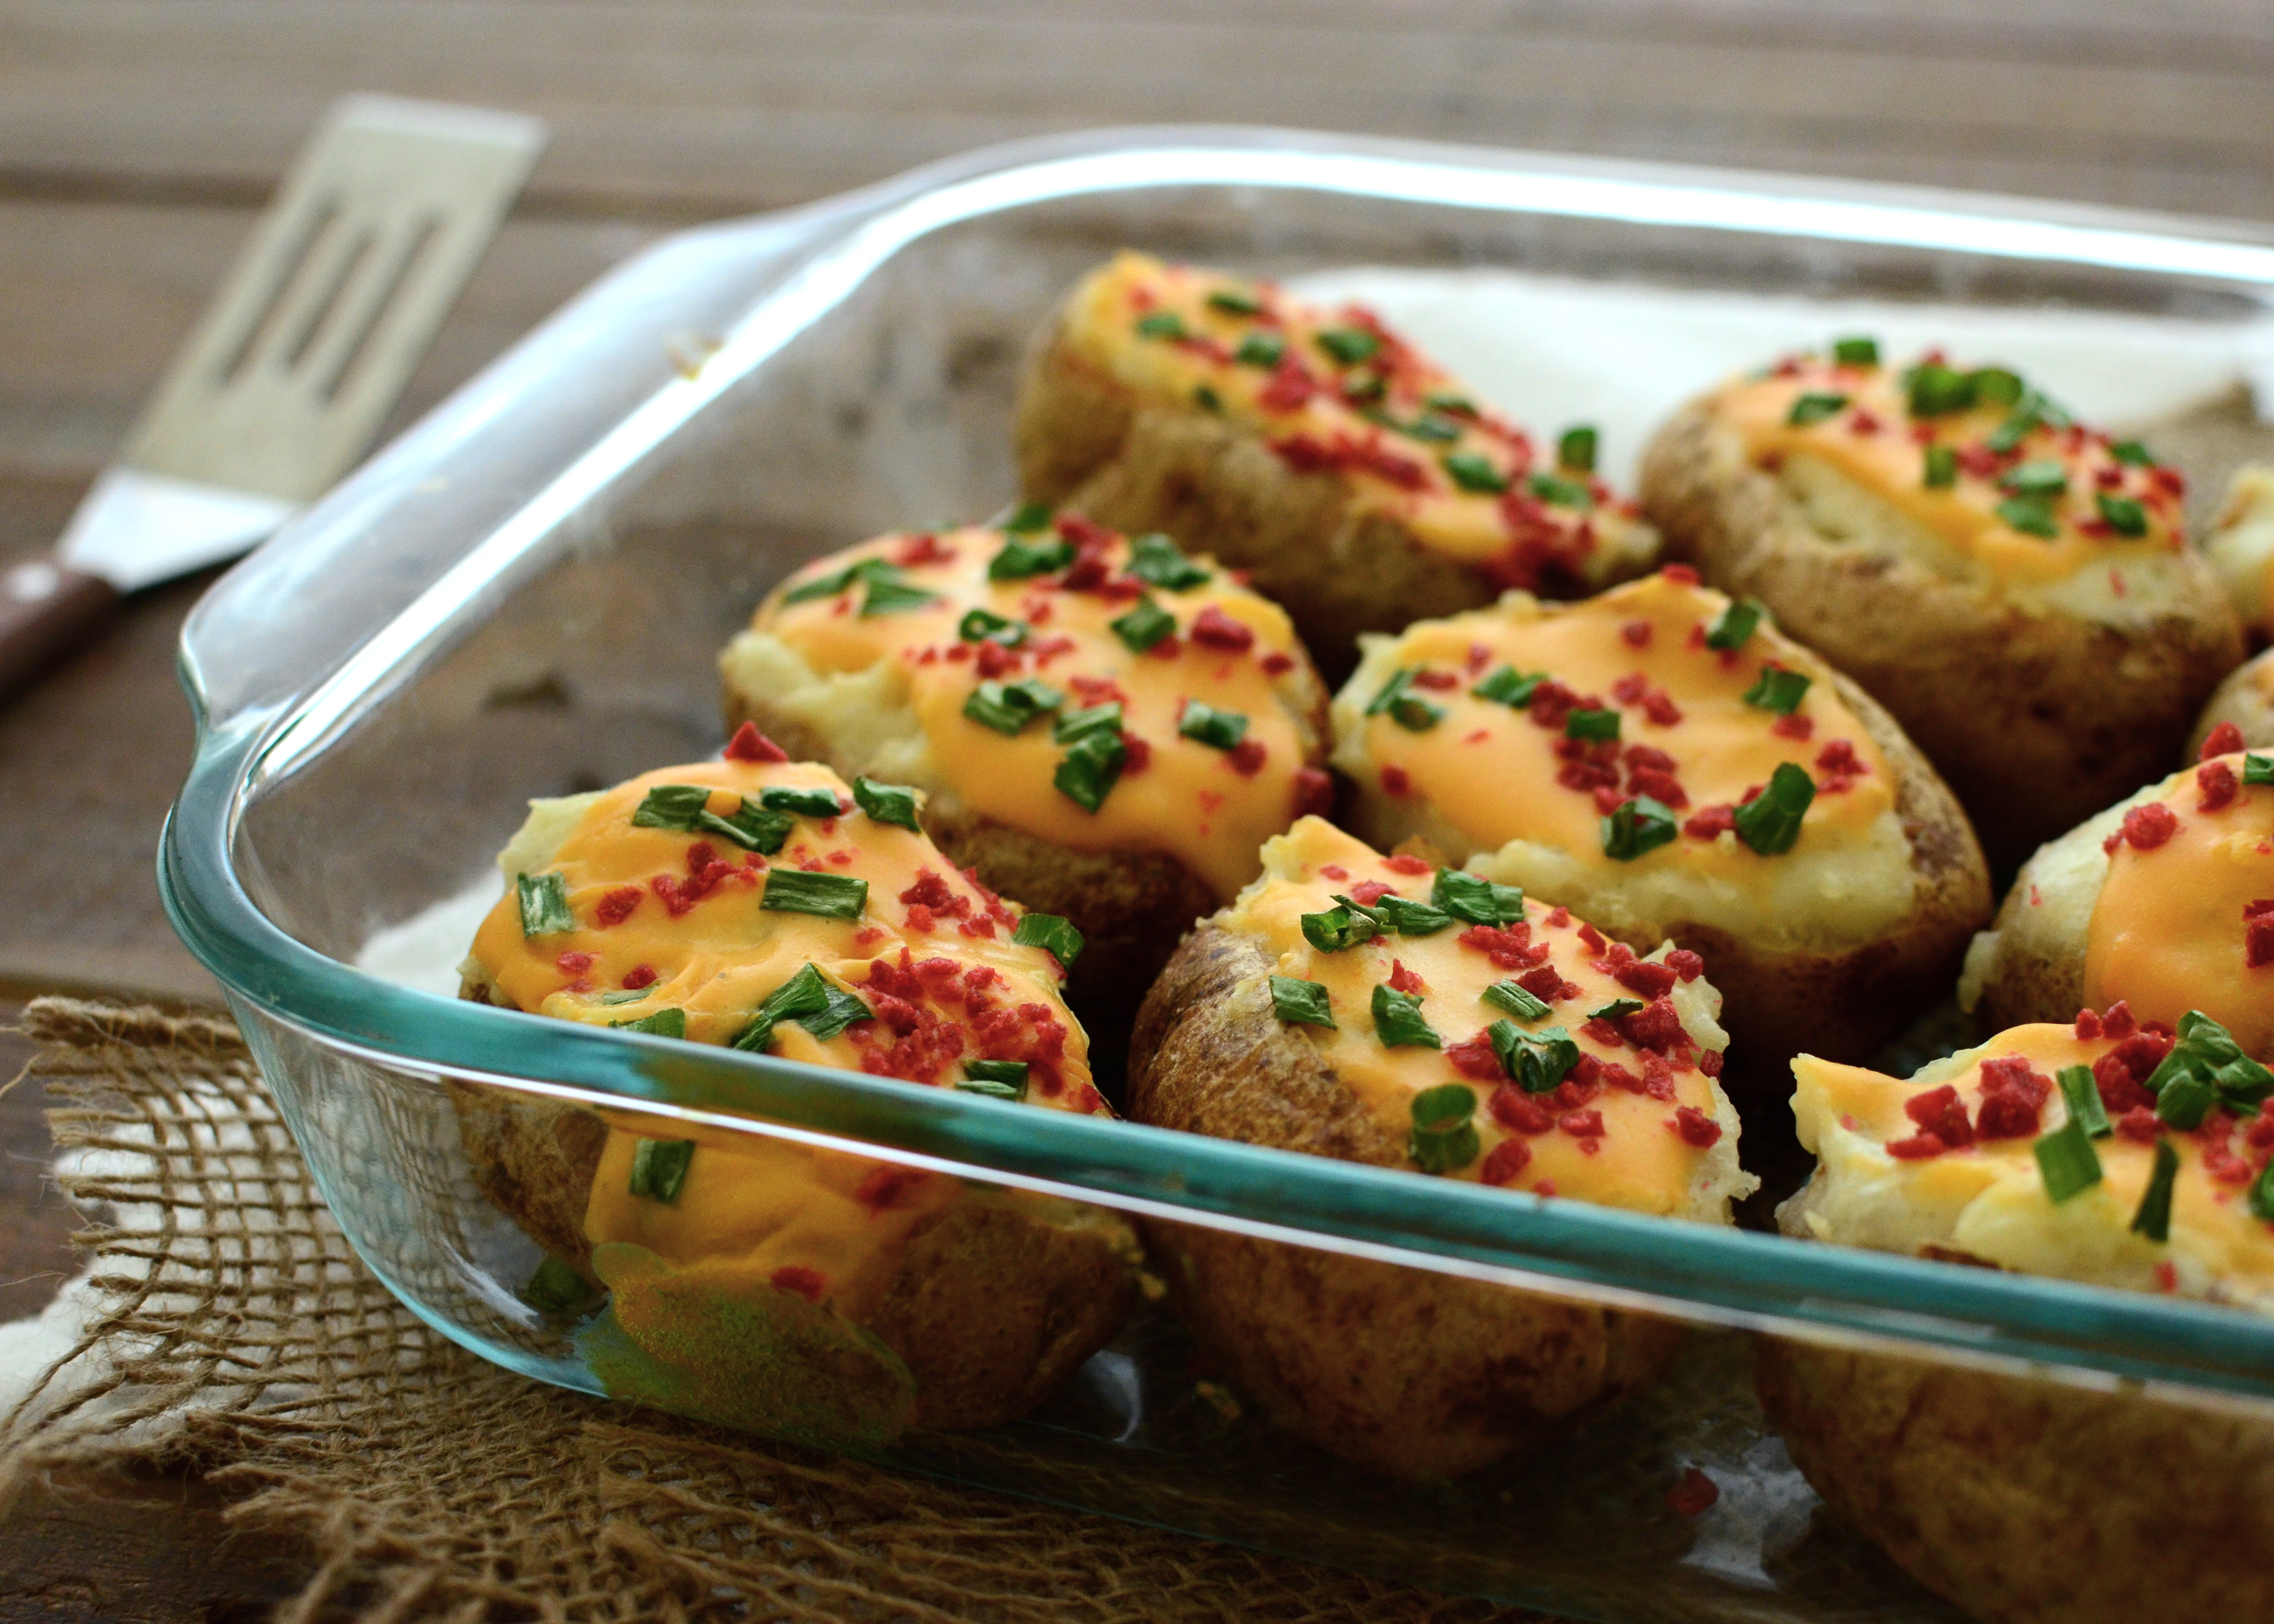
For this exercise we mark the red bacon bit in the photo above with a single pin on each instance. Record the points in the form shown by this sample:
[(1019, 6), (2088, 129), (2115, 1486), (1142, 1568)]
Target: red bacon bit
[(1335, 871), (958, 654), (1918, 1147), (1682, 574), (1941, 1114), (1402, 862), (1695, 1494), (1602, 1032), (1862, 423), (1548, 985), (1350, 452), (2117, 1022), (1403, 980), (1710, 821), (2218, 784), (1576, 1090), (808, 1283), (1519, 1112), (1366, 893), (1582, 1124), (1168, 647), (1592, 938), (887, 1183), (1278, 663), (1290, 388), (920, 918), (2223, 740), (924, 549), (2146, 827), (1510, 949), (2258, 934), (1793, 726), (2167, 1276), (1050, 647), (2087, 1025), (1695, 1127), (617, 905), (1636, 634), (1097, 690), (1552, 704), (749, 745), (1652, 981), (1246, 757), (1213, 628), (2139, 1124), (639, 976), (1710, 1062), (2012, 1093), (1314, 792), (994, 659), (1396, 781), (1685, 965), (573, 964), (1611, 1074), (1654, 1027), (1508, 1158), (1659, 709), (1475, 1060), (1439, 681)]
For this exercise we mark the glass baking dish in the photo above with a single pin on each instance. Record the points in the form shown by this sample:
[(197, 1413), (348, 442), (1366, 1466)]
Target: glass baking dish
[(524, 595)]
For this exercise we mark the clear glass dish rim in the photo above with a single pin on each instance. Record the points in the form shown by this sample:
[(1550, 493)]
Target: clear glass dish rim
[(1730, 1276)]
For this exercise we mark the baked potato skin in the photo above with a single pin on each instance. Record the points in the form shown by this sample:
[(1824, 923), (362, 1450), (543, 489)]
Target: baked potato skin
[(1087, 442), (2245, 699), (2036, 721), (1398, 1370), (989, 1306), (2026, 1502)]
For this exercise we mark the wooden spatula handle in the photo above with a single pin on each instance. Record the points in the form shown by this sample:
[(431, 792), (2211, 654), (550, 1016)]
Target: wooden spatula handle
[(47, 609)]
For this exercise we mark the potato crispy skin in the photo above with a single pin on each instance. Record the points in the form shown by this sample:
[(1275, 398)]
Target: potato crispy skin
[(2244, 699), (2037, 720), (1398, 1370), (989, 1306), (1087, 442), (2027, 1502)]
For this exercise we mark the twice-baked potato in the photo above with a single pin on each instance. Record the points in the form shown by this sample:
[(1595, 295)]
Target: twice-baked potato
[(2046, 1152), (1670, 765), (2166, 900), (1104, 727), (2241, 545), (757, 1282), (1380, 1010), (2014, 587), (2244, 701), (1358, 484)]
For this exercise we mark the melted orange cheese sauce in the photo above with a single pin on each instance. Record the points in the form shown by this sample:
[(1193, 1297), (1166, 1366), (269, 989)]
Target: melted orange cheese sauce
[(1386, 422), (680, 917), (1996, 1183), (1496, 774), (1232, 649), (1875, 441), (1616, 1140), (2169, 930)]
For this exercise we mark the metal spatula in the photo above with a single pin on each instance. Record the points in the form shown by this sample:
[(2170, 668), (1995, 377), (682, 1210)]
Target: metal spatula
[(289, 375)]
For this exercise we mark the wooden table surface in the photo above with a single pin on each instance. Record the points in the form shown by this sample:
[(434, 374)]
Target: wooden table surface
[(139, 138)]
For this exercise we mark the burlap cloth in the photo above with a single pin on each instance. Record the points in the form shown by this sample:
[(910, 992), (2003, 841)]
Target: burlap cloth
[(236, 1334)]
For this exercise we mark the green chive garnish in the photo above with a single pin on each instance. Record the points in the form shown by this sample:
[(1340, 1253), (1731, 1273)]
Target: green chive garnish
[(985, 626), (1397, 1021), (663, 1024), (1158, 561), (2258, 769), (1092, 765), (1734, 625), (544, 904), (1204, 395), (2262, 1194), (555, 1289), (997, 1079), (1937, 390), (1814, 408), (1770, 823), (2043, 478), (2124, 516), (818, 804), (1030, 517), (1509, 997), (1343, 925), (831, 896), (2066, 1162), (1218, 729), (1779, 688), (1561, 493), (682, 806), (1302, 1003), (1234, 303), (1576, 449), (1617, 1009), (1008, 707), (2132, 454), (2081, 1095), (1020, 559), (1638, 826), (1475, 899), (874, 570), (1403, 705), (1161, 324), (1261, 349), (1349, 345), (1144, 626), (659, 1168), (1994, 385), (1536, 1060), (1054, 936), (1941, 468), (1409, 918), (1855, 351), (1075, 725), (629, 995), (2032, 515), (895, 597), (1473, 471), (1508, 686), (2154, 1218), (1444, 1135), (1599, 725), (886, 803)]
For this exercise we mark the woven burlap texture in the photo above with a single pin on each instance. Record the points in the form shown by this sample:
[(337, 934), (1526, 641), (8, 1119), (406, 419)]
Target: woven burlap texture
[(239, 1335)]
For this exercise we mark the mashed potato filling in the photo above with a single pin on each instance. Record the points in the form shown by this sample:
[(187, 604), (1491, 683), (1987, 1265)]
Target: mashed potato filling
[(1968, 473), (2185, 918), (1337, 391), (2242, 545), (642, 906), (969, 661), (1892, 1176), (1630, 705), (1625, 1113)]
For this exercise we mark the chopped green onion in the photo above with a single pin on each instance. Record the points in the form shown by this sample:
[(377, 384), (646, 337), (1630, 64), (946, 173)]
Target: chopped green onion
[(1205, 725), (1234, 303), (2258, 769), (1475, 899), (872, 570), (1617, 1009), (1303, 1003), (1343, 925), (1509, 997), (1100, 718), (2132, 454), (1473, 471), (1459, 405), (1537, 1061), (1561, 493), (1941, 468), (1638, 826), (1205, 396), (831, 896), (895, 597), (1815, 408), (1779, 688), (2154, 1218), (662, 1024), (659, 1168), (841, 1010), (1349, 345), (1409, 918), (985, 626), (1855, 351), (886, 803), (544, 904), (1054, 936), (1937, 390), (2081, 1095), (1365, 386), (1733, 627), (821, 804), (1397, 1021), (1092, 765), (1507, 686), (2032, 515), (1020, 559), (1143, 626), (1770, 823), (999, 1079), (1158, 561), (1429, 427), (1994, 385), (1599, 725), (1009, 707), (2184, 1102), (1576, 449), (2066, 1162), (629, 995), (1262, 349), (1030, 517), (1161, 324), (2043, 477), (1405, 707), (555, 1289), (683, 806), (1444, 1135), (2124, 516), (2262, 1194)]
